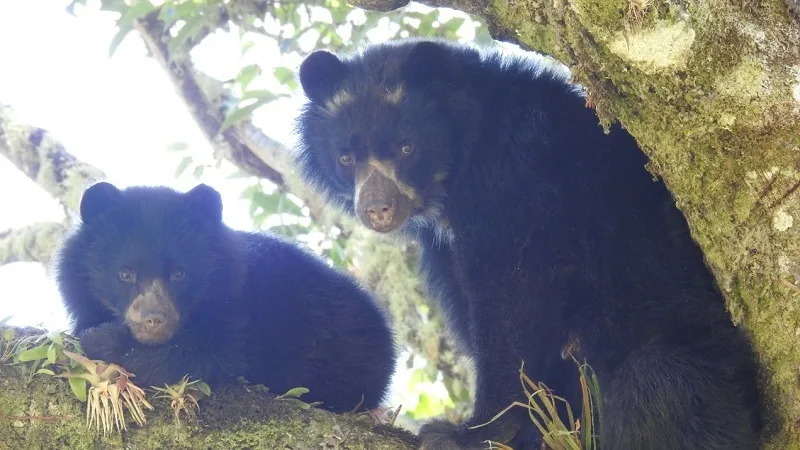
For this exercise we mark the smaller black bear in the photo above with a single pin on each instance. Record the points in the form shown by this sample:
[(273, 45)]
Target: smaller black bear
[(154, 281)]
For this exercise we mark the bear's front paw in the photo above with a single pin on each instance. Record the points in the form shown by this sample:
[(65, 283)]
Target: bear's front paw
[(108, 342), (443, 435)]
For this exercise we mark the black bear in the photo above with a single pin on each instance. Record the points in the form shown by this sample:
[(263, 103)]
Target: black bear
[(540, 235), (154, 281)]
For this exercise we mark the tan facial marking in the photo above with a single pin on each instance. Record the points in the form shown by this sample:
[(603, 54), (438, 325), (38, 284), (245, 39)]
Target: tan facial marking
[(388, 170), (394, 95), (339, 99), (153, 317), (440, 176)]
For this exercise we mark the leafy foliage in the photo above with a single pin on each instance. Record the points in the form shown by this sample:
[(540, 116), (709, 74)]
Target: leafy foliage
[(294, 29), (184, 396), (110, 391)]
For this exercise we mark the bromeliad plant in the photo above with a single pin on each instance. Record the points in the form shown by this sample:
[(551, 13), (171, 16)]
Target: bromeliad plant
[(110, 390), (184, 396)]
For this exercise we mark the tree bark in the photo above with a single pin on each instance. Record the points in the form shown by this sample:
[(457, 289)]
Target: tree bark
[(34, 243), (711, 91), (41, 412), (41, 157)]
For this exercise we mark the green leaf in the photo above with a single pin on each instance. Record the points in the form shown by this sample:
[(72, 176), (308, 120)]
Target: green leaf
[(295, 392), (198, 171), (70, 9), (8, 335), (114, 6), (339, 14), (250, 191), (338, 255), (78, 350), (78, 387), (248, 74), (140, 9), (203, 387), (177, 146), (259, 94), (239, 114), (46, 372), (247, 46), (118, 38), (269, 203), (34, 354), (300, 403), (182, 165), (56, 337), (453, 25), (189, 30), (51, 354), (276, 203), (285, 76), (424, 406)]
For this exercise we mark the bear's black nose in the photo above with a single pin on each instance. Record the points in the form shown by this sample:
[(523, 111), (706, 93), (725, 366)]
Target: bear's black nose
[(380, 213), (154, 320)]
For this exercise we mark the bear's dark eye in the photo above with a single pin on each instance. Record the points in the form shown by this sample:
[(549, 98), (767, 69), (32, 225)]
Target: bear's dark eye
[(345, 159), (406, 149), (177, 274), (127, 275)]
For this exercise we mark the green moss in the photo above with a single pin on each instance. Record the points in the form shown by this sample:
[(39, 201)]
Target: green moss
[(602, 18), (536, 31), (714, 116), (45, 415)]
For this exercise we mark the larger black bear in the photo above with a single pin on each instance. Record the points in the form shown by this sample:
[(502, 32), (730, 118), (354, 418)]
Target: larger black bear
[(539, 233), (156, 282)]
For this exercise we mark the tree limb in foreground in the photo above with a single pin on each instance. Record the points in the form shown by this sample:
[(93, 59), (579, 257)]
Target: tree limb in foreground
[(34, 243), (41, 412), (42, 158)]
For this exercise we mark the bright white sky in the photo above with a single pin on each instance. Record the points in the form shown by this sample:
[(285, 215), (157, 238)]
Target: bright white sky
[(118, 114)]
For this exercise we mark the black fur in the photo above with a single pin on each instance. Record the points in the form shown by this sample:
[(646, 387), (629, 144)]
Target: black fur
[(545, 231), (251, 305)]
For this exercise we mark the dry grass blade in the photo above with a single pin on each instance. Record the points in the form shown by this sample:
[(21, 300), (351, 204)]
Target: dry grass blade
[(543, 411)]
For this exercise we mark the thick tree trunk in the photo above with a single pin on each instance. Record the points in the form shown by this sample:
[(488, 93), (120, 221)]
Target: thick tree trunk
[(711, 90), (42, 413)]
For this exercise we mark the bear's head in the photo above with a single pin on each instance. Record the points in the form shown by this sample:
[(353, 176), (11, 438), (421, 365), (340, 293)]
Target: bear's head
[(153, 256), (382, 131)]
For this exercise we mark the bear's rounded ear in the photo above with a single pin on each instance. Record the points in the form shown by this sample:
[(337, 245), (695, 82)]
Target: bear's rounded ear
[(428, 62), (97, 199), (321, 73), (207, 201)]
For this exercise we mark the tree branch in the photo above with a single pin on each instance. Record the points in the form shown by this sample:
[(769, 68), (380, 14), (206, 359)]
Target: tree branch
[(43, 159), (183, 75), (41, 412), (34, 243)]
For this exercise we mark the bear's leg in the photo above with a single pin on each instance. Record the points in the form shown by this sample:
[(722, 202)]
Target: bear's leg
[(501, 350), (206, 352), (668, 398)]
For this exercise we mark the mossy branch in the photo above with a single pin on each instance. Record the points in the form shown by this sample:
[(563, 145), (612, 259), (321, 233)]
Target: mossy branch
[(34, 243), (39, 411)]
